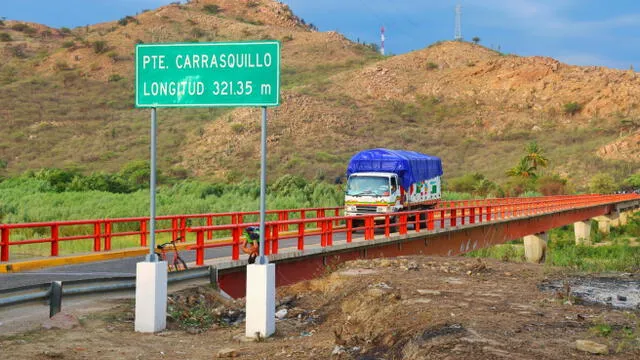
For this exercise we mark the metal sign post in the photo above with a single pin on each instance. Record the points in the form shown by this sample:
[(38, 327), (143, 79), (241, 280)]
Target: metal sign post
[(152, 257), (263, 187)]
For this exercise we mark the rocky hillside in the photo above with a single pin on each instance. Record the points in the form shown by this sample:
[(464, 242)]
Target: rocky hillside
[(67, 101)]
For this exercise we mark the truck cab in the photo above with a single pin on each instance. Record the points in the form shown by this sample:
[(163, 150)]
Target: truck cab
[(372, 193)]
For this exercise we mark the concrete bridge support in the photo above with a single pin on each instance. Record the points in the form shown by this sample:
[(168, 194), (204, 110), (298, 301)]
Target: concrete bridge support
[(624, 217), (582, 230), (605, 222), (535, 247)]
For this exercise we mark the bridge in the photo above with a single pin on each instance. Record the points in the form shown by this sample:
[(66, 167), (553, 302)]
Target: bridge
[(303, 242)]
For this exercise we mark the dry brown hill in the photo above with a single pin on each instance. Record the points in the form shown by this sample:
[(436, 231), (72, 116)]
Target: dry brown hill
[(68, 89)]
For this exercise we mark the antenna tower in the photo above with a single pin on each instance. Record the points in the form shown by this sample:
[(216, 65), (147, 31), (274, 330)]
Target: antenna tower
[(382, 40), (458, 32)]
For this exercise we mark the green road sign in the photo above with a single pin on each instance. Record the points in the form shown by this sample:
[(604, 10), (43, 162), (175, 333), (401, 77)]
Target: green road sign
[(208, 74)]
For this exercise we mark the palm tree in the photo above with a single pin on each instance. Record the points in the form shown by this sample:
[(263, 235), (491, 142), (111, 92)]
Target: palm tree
[(535, 155), (522, 170)]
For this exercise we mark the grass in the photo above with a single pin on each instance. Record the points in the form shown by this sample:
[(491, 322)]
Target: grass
[(562, 251), (26, 199)]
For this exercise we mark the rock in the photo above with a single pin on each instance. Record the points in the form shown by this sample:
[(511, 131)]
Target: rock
[(416, 301), (428, 292), (61, 320), (376, 293), (337, 350), (281, 314), (412, 266), (227, 353), (622, 298), (592, 347)]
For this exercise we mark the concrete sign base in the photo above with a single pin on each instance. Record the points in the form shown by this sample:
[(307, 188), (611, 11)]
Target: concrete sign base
[(151, 296), (261, 300)]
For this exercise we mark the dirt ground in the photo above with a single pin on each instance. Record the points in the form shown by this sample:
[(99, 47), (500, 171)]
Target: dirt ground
[(403, 308)]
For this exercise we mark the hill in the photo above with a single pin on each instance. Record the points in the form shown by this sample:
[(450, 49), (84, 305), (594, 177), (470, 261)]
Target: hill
[(67, 98)]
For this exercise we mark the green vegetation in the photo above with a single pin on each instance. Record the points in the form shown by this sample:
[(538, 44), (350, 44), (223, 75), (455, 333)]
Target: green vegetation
[(128, 19), (602, 184), (620, 254), (54, 194), (211, 9), (5, 37), (23, 28), (571, 108), (100, 46)]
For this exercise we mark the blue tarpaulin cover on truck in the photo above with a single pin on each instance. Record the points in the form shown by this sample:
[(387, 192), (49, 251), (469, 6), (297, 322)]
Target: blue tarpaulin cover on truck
[(410, 166)]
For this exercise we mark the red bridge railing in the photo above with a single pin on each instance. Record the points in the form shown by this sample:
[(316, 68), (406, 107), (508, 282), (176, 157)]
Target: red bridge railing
[(448, 213), (101, 231), (294, 224)]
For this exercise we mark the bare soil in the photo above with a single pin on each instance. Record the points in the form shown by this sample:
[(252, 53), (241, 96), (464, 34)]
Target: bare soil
[(404, 308)]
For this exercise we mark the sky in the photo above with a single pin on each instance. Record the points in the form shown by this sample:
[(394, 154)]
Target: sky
[(578, 32)]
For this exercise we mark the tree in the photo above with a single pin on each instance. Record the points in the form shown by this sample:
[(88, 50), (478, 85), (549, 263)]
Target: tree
[(523, 170), (475, 40), (535, 155), (602, 184), (632, 182)]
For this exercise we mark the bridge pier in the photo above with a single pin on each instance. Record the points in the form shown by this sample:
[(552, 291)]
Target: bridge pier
[(535, 247), (624, 217), (582, 230), (605, 222)]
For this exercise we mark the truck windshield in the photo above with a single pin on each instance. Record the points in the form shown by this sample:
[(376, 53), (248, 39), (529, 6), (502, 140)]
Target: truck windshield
[(368, 185)]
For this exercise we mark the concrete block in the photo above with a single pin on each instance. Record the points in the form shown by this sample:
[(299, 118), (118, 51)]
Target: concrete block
[(151, 296), (582, 230), (535, 247), (261, 300)]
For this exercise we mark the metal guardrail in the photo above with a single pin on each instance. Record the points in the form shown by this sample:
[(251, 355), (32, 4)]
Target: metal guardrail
[(52, 292)]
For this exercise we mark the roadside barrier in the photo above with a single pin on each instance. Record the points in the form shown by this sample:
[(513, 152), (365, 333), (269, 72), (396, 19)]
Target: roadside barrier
[(53, 292)]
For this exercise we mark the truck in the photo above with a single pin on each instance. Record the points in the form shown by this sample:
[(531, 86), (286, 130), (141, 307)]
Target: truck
[(383, 181)]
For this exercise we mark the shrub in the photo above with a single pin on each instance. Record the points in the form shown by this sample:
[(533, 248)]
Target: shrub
[(602, 184), (287, 38), (252, 4), (115, 77), (4, 37), (197, 33), (65, 30), (211, 9), (128, 19), (18, 51), (113, 55), (552, 185), (23, 28), (62, 65), (572, 108), (100, 46), (432, 66), (68, 44)]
